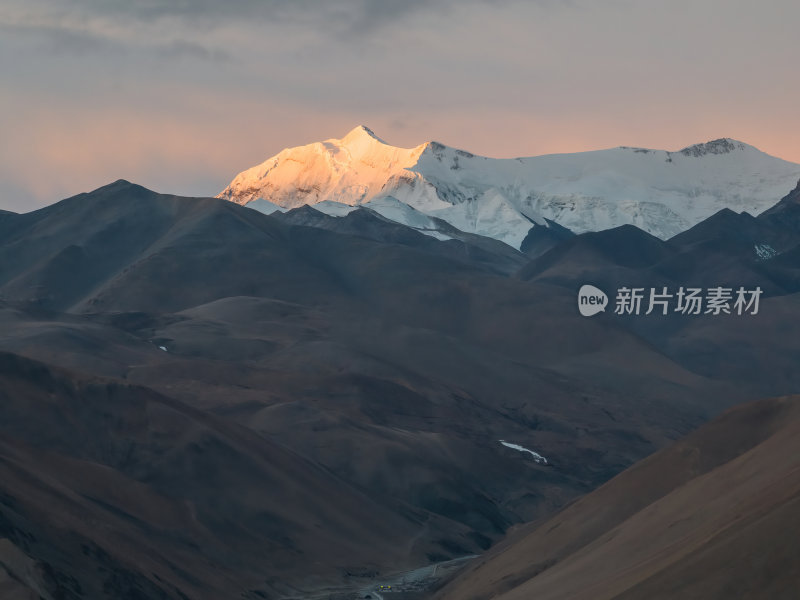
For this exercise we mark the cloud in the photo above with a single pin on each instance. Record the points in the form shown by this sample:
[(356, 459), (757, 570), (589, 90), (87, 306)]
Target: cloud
[(164, 91), (210, 14), (187, 49), (149, 10), (56, 39), (78, 28)]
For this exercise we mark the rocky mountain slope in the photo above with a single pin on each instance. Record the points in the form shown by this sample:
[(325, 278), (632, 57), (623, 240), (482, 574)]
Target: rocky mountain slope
[(198, 353), (714, 516)]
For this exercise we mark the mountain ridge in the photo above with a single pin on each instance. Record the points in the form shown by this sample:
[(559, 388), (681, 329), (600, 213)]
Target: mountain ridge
[(392, 360), (662, 192), (708, 504)]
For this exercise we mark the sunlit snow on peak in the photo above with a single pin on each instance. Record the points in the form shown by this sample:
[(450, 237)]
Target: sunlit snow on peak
[(659, 191)]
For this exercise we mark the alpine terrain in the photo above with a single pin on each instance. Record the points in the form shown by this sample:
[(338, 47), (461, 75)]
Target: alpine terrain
[(512, 200), (199, 400)]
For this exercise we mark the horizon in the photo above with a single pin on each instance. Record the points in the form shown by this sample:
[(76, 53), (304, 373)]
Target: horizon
[(372, 132), (377, 136)]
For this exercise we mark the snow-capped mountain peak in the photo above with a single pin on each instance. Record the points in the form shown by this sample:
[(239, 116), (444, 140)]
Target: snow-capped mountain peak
[(361, 134), (662, 192), (350, 170)]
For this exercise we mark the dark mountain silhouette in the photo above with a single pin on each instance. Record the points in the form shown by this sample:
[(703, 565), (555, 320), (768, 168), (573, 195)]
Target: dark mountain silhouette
[(787, 205), (363, 222), (613, 252), (376, 361), (540, 239)]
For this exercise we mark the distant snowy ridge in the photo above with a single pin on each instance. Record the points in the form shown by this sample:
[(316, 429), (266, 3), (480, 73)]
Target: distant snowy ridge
[(661, 192)]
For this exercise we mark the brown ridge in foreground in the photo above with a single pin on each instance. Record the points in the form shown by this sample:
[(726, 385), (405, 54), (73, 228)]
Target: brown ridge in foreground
[(112, 490), (714, 516)]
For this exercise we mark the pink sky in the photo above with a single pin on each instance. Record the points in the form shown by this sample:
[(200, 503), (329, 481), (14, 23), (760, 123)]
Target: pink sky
[(182, 101)]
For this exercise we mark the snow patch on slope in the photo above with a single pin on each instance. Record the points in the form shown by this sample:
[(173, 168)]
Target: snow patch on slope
[(333, 209), (536, 456), (389, 208), (265, 206), (765, 251)]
